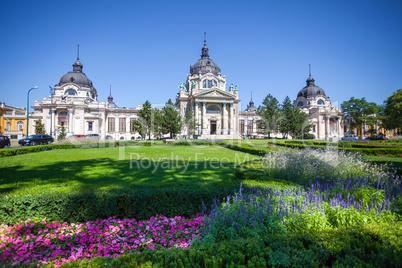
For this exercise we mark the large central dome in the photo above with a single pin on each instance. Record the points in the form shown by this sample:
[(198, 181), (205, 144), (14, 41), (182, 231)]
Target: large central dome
[(76, 76), (311, 90), (205, 64)]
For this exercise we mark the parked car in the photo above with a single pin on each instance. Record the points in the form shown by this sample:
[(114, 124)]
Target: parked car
[(377, 137), (350, 137), (93, 136), (36, 139), (4, 141), (76, 136)]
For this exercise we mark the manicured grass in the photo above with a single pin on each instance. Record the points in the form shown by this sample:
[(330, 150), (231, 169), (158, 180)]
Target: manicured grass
[(130, 165)]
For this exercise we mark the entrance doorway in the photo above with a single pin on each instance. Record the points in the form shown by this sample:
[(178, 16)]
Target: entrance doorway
[(213, 127)]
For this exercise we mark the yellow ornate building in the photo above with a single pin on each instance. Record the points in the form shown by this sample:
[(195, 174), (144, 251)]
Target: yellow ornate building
[(12, 121)]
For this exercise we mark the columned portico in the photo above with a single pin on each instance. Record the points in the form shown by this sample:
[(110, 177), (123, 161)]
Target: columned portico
[(205, 88)]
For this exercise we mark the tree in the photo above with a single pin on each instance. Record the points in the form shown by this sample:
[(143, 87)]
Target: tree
[(39, 127), (362, 112), (393, 111), (189, 121), (270, 113), (62, 134), (157, 123), (295, 122), (145, 120), (171, 119)]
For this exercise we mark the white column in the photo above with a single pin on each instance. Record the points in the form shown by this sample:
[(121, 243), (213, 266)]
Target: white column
[(231, 119), (197, 116), (327, 128), (204, 118), (70, 121), (225, 119)]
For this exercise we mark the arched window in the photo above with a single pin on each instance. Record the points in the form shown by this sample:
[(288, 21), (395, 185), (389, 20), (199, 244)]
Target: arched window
[(213, 110), (63, 119), (320, 102), (132, 138), (8, 127), (209, 83), (300, 104), (20, 125), (70, 92), (122, 138)]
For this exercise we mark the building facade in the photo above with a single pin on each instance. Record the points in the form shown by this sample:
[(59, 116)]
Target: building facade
[(215, 110), (12, 121), (74, 105), (326, 120)]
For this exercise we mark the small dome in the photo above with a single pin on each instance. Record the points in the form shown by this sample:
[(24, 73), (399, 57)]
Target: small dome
[(205, 64), (311, 90)]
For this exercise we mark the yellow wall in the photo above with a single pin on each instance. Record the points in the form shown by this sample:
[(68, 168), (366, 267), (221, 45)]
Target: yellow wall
[(13, 121)]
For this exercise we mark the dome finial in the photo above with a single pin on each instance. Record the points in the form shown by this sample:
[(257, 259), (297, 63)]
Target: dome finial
[(205, 48), (309, 70), (78, 52)]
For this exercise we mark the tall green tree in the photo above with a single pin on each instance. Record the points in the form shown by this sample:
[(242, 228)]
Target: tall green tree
[(362, 112), (171, 119), (144, 123), (40, 127), (393, 111), (270, 113), (157, 128), (62, 135), (295, 122), (189, 121)]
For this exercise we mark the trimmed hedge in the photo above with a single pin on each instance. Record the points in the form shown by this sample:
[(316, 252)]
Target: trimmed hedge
[(364, 246), (75, 204)]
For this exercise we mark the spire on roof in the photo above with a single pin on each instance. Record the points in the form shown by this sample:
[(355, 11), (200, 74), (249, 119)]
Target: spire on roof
[(205, 48), (78, 52), (310, 80)]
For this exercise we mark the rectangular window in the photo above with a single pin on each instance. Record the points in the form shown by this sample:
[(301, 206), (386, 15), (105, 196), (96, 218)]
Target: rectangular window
[(90, 126), (122, 125), (132, 125), (250, 126), (313, 128), (241, 126), (111, 124)]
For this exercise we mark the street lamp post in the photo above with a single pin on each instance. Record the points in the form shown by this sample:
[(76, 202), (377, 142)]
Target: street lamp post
[(28, 107), (51, 110)]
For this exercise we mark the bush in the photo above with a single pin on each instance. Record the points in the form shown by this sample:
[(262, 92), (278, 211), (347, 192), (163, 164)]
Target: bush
[(302, 166), (81, 204), (344, 144)]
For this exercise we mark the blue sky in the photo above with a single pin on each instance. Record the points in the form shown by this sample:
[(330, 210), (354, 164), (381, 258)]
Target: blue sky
[(144, 49)]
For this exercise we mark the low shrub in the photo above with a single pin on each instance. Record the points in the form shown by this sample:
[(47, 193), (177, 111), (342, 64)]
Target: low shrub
[(302, 166), (81, 204)]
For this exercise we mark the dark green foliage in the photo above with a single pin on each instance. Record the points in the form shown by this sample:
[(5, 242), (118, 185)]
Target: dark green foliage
[(295, 121), (171, 119), (270, 113), (362, 112), (363, 246), (393, 111), (62, 135), (81, 204), (344, 145), (40, 127)]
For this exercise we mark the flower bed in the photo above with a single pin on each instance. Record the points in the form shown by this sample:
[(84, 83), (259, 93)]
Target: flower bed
[(45, 242)]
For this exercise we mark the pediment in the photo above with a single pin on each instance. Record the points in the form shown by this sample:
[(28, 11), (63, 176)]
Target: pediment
[(214, 93)]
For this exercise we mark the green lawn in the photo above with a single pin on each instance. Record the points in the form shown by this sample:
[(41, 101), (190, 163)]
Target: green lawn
[(131, 166)]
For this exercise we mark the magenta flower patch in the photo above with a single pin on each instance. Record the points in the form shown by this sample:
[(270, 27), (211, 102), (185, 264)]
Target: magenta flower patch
[(45, 242)]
